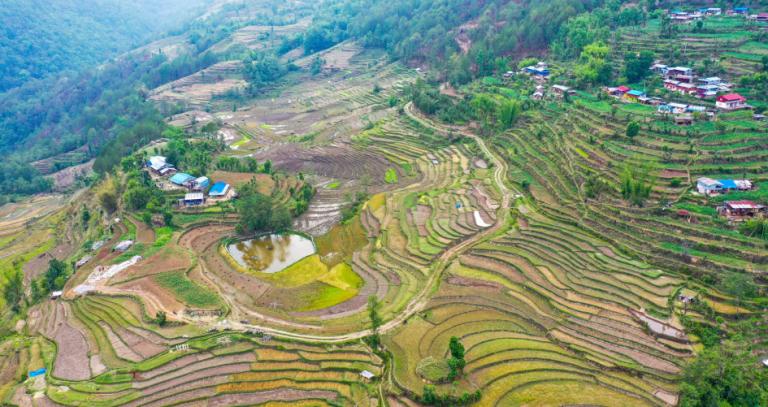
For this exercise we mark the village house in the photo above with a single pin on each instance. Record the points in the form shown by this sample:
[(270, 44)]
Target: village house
[(159, 165), (740, 11), (561, 91), (731, 101), (741, 210), (709, 186), (201, 183), (680, 74), (193, 199), (633, 95), (182, 179), (762, 17), (660, 69), (540, 69), (123, 246), (220, 190), (367, 375), (684, 120)]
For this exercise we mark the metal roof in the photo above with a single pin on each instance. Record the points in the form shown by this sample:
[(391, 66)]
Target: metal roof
[(194, 196)]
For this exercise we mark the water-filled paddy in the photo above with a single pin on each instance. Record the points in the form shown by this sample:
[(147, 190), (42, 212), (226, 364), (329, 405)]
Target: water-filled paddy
[(271, 253)]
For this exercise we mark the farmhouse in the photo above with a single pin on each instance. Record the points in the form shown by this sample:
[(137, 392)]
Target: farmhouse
[(561, 91), (708, 186), (739, 210), (714, 80), (194, 199), (541, 69), (201, 183), (731, 101), (684, 120), (681, 74), (219, 190), (182, 179), (762, 17), (660, 69), (634, 95), (159, 165), (365, 374), (740, 10)]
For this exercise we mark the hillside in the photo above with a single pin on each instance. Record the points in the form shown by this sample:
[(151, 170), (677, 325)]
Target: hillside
[(397, 203), (42, 41)]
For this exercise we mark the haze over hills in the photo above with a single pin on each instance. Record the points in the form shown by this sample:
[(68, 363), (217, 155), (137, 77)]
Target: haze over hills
[(392, 203)]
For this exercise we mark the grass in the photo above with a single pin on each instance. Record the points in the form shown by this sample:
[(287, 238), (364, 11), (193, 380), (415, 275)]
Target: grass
[(433, 369), (390, 177), (333, 185), (186, 290), (304, 271)]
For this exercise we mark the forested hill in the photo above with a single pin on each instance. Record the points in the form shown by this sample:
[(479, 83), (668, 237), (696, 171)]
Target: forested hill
[(40, 39)]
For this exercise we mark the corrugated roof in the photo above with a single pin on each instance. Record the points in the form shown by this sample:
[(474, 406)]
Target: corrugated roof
[(180, 178), (218, 189)]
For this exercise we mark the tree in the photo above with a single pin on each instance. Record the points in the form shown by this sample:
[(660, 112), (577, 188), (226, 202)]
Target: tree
[(13, 292), (636, 65), (85, 216), (456, 362), (55, 275), (724, 375), (740, 285), (256, 211), (593, 67), (508, 112), (161, 318), (633, 129), (373, 314)]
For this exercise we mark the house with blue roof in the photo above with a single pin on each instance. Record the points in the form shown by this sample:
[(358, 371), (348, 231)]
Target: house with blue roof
[(219, 190), (182, 179)]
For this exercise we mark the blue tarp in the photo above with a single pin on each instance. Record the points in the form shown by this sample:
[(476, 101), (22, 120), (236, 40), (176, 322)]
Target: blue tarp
[(37, 372), (728, 183), (181, 178), (218, 189)]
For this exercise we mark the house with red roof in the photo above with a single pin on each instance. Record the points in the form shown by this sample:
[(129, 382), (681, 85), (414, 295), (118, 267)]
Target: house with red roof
[(731, 101), (741, 210)]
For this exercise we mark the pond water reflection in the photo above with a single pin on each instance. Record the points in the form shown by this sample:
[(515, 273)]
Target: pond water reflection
[(271, 253)]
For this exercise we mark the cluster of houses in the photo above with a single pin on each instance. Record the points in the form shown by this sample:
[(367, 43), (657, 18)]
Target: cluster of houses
[(732, 210), (199, 188), (684, 80), (701, 13), (538, 72), (711, 187)]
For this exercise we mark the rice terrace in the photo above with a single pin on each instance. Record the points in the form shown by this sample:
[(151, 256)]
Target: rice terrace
[(384, 203)]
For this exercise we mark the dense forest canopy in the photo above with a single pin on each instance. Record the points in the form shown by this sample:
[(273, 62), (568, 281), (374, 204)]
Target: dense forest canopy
[(42, 39)]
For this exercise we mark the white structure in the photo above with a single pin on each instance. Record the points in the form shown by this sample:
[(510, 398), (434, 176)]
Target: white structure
[(367, 375), (708, 186), (56, 294), (124, 245)]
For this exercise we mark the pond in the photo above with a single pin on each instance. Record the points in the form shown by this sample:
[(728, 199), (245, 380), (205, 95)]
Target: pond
[(271, 253)]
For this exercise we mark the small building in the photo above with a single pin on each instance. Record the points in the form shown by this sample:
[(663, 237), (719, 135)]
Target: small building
[(708, 186), (540, 69), (731, 101), (681, 74), (741, 10), (739, 210), (678, 108), (55, 295), (659, 68), (634, 95), (182, 179), (763, 17), (194, 199), (714, 80), (713, 11), (684, 120), (201, 183), (707, 91), (156, 163), (123, 246), (758, 117), (561, 91), (508, 74), (365, 374), (219, 190)]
